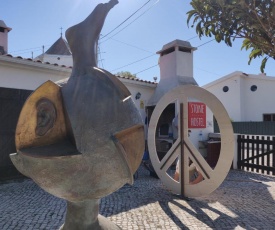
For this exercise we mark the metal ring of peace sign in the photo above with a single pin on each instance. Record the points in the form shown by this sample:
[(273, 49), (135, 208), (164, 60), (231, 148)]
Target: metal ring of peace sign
[(185, 150)]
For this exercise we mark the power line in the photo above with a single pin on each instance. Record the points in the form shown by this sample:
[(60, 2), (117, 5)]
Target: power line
[(205, 43), (16, 51), (191, 38), (207, 71), (139, 48), (126, 19), (125, 43), (134, 62), (27, 50), (146, 69), (129, 23)]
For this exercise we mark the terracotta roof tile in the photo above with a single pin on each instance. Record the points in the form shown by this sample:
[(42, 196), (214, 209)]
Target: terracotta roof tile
[(63, 66), (29, 59), (136, 79)]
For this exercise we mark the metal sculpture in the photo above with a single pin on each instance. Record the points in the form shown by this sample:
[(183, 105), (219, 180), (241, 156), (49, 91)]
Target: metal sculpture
[(183, 148), (82, 139)]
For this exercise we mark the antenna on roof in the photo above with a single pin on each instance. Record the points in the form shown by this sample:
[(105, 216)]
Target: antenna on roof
[(61, 30)]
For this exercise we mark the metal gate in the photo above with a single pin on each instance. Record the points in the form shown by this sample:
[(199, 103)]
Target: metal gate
[(11, 103), (256, 153)]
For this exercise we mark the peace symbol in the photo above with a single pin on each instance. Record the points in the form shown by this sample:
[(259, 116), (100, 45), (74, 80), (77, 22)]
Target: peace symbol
[(184, 150)]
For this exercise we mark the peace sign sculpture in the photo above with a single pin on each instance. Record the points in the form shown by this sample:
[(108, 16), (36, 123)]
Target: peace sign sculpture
[(183, 148)]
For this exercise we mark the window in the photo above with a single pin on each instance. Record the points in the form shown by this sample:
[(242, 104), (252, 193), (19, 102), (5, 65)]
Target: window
[(253, 88), (163, 130), (225, 89), (269, 117)]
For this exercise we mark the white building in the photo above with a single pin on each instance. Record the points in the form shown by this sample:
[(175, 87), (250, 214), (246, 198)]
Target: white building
[(59, 53), (26, 74), (246, 97)]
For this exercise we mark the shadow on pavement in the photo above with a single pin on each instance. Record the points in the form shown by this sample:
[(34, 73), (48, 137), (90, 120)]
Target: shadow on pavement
[(243, 200)]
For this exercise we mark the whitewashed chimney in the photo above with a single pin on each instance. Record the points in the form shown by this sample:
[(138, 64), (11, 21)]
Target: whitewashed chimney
[(4, 37), (176, 68)]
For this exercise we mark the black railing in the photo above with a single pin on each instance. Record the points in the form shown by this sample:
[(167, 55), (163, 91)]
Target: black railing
[(256, 153)]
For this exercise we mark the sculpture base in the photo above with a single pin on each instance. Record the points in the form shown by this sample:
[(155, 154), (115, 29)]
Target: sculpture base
[(84, 216)]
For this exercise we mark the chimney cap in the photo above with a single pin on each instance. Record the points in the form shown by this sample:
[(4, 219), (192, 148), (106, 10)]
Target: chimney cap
[(3, 25), (177, 43)]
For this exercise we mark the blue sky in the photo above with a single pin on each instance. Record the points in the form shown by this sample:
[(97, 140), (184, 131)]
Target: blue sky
[(37, 23)]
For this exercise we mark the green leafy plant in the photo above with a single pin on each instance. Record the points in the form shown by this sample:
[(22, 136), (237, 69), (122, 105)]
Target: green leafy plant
[(226, 20), (126, 74)]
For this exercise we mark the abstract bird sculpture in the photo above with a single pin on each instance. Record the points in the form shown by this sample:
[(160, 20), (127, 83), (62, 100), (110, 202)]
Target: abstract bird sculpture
[(82, 139)]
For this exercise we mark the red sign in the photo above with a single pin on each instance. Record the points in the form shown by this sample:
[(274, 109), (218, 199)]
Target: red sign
[(196, 115)]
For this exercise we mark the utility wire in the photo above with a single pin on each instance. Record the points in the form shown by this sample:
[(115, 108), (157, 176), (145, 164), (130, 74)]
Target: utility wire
[(126, 19), (16, 51), (133, 62), (205, 43), (16, 54), (134, 46), (34, 49), (191, 38), (139, 48), (207, 71), (146, 69), (129, 23)]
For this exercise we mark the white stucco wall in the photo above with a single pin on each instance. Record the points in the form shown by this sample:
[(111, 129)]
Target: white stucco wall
[(23, 74), (262, 100), (175, 64), (57, 59), (240, 102), (145, 89), (168, 65), (230, 99), (184, 64)]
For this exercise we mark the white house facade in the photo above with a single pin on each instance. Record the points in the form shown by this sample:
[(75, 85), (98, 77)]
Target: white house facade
[(246, 97), (18, 73), (59, 53)]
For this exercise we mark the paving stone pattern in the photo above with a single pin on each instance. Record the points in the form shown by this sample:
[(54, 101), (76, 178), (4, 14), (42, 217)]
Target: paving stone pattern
[(245, 200)]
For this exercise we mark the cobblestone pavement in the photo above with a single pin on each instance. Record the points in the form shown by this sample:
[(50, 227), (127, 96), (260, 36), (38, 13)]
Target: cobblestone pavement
[(243, 201)]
